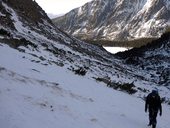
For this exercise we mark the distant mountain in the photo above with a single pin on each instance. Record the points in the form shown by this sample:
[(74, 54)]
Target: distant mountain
[(106, 21), (51, 16)]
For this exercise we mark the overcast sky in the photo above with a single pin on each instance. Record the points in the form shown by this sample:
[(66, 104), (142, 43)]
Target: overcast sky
[(59, 7)]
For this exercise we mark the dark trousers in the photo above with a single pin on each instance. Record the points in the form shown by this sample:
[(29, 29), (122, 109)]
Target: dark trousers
[(152, 117)]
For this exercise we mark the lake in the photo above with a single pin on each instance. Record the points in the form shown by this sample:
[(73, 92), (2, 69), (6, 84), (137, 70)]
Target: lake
[(115, 49)]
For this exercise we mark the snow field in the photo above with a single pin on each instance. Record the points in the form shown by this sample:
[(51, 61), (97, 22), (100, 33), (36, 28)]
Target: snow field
[(55, 97)]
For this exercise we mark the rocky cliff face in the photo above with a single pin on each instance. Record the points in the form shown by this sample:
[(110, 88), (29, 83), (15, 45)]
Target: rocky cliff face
[(117, 20)]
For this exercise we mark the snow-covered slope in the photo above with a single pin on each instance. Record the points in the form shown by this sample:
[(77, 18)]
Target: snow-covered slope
[(34, 95), (118, 20), (50, 79)]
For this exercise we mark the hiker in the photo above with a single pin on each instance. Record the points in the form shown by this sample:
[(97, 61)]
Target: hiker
[(153, 104)]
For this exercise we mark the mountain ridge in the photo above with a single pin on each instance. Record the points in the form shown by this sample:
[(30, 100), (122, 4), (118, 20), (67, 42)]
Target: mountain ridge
[(112, 20)]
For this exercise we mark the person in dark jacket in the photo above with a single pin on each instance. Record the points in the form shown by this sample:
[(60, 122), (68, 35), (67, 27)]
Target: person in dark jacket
[(153, 104)]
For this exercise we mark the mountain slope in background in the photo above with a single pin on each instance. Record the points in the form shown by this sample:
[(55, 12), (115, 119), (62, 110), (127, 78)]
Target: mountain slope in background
[(50, 79), (116, 20), (154, 57)]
